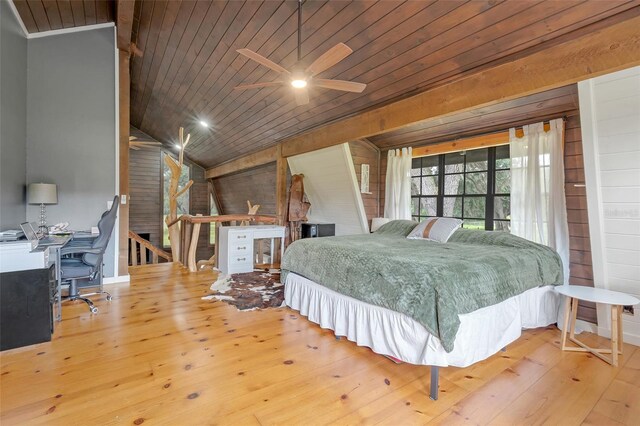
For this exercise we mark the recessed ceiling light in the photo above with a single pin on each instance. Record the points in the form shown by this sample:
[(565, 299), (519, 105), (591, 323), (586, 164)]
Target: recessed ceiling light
[(299, 84), (178, 146), (204, 124)]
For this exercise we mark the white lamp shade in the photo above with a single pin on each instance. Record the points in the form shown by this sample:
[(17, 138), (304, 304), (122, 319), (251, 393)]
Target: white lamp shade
[(42, 193), (377, 222)]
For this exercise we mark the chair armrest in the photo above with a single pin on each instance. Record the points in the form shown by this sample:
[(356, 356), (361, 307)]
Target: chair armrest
[(79, 250)]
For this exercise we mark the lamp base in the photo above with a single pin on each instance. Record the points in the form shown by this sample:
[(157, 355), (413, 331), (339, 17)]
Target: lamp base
[(43, 229)]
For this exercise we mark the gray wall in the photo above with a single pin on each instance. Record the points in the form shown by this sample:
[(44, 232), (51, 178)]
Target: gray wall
[(71, 126), (13, 119)]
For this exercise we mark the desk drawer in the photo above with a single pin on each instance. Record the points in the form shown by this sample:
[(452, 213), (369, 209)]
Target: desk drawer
[(240, 259), (240, 248), (239, 237)]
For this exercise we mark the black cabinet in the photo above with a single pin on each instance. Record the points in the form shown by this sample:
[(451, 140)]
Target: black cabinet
[(26, 307), (313, 230)]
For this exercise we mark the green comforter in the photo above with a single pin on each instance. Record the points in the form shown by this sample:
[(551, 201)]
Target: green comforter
[(430, 282)]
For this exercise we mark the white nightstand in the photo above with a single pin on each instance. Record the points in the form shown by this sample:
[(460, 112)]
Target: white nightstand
[(597, 295)]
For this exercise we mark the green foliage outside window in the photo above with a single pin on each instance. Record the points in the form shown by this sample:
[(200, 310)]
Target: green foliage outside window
[(471, 185)]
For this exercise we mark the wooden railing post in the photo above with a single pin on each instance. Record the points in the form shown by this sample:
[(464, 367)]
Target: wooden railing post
[(193, 246), (134, 253), (137, 241)]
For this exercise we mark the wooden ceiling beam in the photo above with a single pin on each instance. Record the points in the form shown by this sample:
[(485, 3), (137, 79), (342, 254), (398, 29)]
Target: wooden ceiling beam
[(265, 156), (469, 143), (607, 50), (124, 23)]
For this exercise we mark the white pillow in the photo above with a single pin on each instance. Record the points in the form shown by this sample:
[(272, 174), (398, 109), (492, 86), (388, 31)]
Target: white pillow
[(438, 229)]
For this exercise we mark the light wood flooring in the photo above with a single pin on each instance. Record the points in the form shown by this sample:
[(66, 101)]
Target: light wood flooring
[(159, 354)]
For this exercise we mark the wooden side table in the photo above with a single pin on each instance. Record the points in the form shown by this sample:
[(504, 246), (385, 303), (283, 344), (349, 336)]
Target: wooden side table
[(597, 295)]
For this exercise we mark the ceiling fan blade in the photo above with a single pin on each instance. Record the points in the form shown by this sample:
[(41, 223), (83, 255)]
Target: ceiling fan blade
[(133, 147), (329, 58), (258, 85), (141, 143), (346, 86), (302, 96), (262, 60)]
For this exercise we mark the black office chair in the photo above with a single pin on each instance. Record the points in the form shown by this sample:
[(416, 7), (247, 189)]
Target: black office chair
[(87, 264)]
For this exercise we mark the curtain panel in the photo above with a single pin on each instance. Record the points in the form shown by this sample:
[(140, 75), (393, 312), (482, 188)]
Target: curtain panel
[(397, 202), (538, 203)]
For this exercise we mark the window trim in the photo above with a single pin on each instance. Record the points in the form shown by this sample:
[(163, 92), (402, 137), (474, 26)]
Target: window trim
[(489, 196)]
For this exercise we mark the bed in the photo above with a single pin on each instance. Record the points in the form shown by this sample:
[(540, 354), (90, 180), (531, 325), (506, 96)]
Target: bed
[(424, 302)]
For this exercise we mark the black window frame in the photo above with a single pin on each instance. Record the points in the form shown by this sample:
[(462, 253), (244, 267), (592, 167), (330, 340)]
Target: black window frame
[(490, 196)]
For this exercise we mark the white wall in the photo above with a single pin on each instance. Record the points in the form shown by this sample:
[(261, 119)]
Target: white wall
[(610, 116), (331, 185)]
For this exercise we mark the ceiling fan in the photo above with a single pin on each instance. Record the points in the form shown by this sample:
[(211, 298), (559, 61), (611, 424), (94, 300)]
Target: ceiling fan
[(300, 79), (136, 144)]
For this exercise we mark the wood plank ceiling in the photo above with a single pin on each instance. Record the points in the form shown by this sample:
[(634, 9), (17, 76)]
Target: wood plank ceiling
[(190, 64), (533, 108), (46, 15)]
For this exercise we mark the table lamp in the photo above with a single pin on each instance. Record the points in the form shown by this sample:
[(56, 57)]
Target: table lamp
[(42, 193)]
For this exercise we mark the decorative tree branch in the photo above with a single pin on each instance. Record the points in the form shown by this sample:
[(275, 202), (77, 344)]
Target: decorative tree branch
[(176, 170)]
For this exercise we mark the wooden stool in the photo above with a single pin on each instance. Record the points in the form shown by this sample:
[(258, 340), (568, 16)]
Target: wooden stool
[(597, 295)]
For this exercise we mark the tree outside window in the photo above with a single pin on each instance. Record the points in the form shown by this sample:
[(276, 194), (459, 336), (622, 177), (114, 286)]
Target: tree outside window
[(471, 185)]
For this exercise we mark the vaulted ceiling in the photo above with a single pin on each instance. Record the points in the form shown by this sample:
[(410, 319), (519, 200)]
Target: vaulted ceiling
[(46, 15), (190, 64)]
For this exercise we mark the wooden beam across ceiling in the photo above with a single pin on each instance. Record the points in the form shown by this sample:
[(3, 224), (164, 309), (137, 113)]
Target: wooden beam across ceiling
[(265, 156), (601, 52), (463, 144)]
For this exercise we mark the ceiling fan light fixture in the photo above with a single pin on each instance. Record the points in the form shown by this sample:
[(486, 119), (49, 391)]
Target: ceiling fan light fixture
[(299, 83), (204, 124)]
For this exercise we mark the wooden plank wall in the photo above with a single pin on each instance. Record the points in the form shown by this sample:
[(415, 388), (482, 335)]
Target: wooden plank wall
[(580, 245), (145, 197), (366, 153), (257, 185), (199, 204), (580, 267)]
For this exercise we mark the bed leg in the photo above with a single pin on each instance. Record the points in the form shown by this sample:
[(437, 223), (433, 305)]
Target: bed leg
[(433, 392)]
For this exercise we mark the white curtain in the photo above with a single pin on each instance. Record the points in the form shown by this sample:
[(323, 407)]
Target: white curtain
[(397, 202), (538, 204)]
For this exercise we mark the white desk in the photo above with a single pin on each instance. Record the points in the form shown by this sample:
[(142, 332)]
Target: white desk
[(23, 255), (236, 252), (616, 299)]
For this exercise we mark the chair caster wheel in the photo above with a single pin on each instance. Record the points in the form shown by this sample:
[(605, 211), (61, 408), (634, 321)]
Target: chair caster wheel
[(109, 298), (94, 310)]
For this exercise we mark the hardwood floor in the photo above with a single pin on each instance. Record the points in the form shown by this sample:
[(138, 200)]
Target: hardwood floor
[(158, 353)]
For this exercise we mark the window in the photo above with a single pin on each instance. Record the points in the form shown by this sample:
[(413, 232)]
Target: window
[(470, 185), (183, 199)]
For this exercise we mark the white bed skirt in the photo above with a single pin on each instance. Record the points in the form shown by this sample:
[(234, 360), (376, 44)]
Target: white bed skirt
[(482, 333)]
